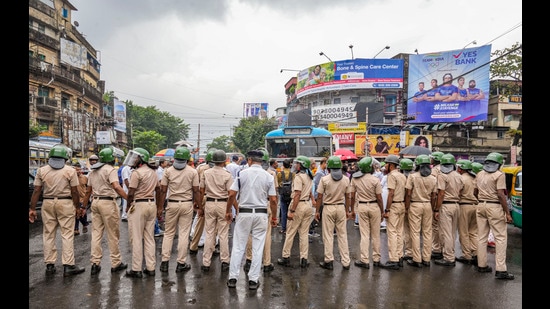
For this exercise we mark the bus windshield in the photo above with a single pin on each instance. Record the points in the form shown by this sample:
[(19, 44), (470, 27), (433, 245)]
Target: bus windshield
[(291, 142)]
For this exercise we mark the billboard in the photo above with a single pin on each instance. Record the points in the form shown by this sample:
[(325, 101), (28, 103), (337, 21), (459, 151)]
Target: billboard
[(451, 86), (73, 54), (255, 109), (386, 144), (350, 74), (120, 116)]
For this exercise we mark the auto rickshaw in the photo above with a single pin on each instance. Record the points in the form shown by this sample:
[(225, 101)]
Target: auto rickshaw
[(514, 190)]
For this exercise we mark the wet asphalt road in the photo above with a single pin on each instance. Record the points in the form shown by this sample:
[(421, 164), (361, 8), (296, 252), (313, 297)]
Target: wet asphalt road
[(292, 287)]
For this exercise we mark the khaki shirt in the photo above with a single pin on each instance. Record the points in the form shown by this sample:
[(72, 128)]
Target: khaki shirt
[(396, 181), (216, 182), (452, 184), (467, 194), (144, 179), (421, 187), (303, 183), (180, 183), (101, 181), (56, 183), (488, 185), (365, 188), (334, 192)]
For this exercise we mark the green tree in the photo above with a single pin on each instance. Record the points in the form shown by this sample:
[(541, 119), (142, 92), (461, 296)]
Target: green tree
[(151, 141), (251, 131), (507, 65), (35, 129), (224, 143)]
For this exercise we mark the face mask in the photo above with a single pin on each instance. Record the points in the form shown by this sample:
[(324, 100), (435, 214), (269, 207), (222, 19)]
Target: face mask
[(406, 173), (490, 166), (56, 163), (179, 164), (447, 168), (425, 170), (336, 173)]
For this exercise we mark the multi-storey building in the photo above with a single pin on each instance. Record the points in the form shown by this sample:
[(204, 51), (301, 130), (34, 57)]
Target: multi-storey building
[(65, 88)]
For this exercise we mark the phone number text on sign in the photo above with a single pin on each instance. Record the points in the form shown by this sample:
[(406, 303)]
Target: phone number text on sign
[(340, 112), (337, 116)]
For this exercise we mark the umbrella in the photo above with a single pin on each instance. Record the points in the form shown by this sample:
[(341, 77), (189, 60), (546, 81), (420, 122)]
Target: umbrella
[(345, 154), (168, 152), (415, 150)]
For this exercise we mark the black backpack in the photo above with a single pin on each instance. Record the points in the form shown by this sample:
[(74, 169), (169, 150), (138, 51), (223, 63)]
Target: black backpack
[(285, 191)]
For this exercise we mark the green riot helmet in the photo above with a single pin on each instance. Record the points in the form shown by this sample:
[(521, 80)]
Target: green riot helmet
[(144, 154), (106, 155), (209, 154), (365, 165), (265, 157), (447, 159), (59, 151), (334, 162), (392, 159), (436, 156), (477, 167), (303, 160), (406, 164), (219, 156), (495, 157), (422, 159), (464, 164), (182, 153), (134, 155)]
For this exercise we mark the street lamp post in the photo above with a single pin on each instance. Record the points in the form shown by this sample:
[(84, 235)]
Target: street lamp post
[(323, 54), (472, 42), (386, 47), (351, 48)]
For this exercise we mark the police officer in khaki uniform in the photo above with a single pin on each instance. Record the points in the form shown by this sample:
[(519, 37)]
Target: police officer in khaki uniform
[(406, 167), (419, 202), (104, 186), (467, 222), (300, 212), (198, 221), (333, 192), (366, 189), (182, 181), (492, 214), (142, 211), (266, 259), (58, 184), (436, 241), (394, 213), (214, 186), (449, 187)]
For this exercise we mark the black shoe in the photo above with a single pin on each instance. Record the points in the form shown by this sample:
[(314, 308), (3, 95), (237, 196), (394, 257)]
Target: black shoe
[(134, 274), (120, 267), (163, 266), (205, 268), (326, 265), (437, 255), (444, 262), (95, 269), (464, 260), (71, 270), (268, 268), (232, 283), (406, 258), (303, 263), (225, 266), (50, 269), (486, 269), (283, 261), (247, 264), (216, 251), (193, 252), (253, 285), (426, 263), (390, 265), (376, 264), (345, 267), (148, 272), (504, 275), (415, 264), (182, 267), (474, 260), (361, 264), (400, 263)]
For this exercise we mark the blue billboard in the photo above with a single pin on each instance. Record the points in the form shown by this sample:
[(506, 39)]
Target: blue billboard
[(451, 86), (350, 74)]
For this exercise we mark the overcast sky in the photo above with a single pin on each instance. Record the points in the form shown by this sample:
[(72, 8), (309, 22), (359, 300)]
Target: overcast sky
[(200, 60)]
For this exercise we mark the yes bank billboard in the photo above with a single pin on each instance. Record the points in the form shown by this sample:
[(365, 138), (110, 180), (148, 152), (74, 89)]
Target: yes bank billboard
[(455, 85), (350, 74)]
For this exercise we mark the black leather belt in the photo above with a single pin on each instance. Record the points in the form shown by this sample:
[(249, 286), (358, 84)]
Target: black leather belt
[(177, 201), (305, 201), (397, 202), (466, 203), (103, 198), (494, 202), (144, 200), (420, 202), (59, 198), (209, 199), (366, 202), (332, 204), (253, 210), (449, 202)]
